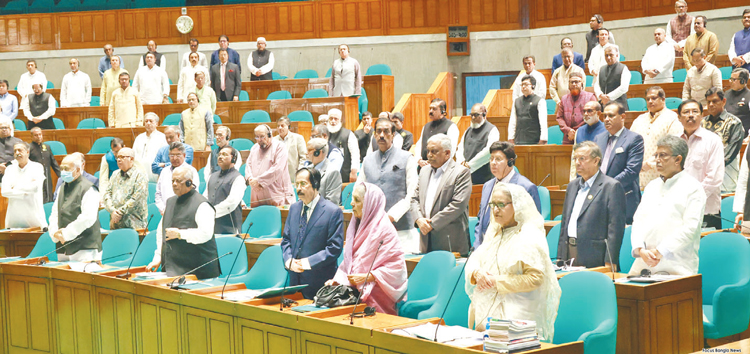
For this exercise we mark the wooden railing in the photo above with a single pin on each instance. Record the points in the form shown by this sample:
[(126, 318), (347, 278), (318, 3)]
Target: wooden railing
[(416, 106)]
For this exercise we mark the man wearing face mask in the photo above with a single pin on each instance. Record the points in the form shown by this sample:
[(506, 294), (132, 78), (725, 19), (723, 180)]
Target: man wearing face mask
[(345, 140), (474, 149), (23, 186), (225, 190), (266, 170), (91, 178), (569, 113)]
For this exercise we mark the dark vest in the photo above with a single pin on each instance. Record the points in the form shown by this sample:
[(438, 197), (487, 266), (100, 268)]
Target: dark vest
[(742, 44), (340, 139), (38, 104), (69, 208), (389, 174), (474, 141), (364, 141), (158, 58), (439, 126), (528, 130), (609, 80), (260, 59), (219, 186), (178, 256)]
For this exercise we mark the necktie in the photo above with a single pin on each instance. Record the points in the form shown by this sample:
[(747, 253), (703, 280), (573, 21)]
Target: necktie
[(223, 72), (303, 220), (607, 153)]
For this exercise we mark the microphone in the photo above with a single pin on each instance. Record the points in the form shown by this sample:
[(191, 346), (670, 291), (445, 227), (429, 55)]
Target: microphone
[(127, 271), (451, 297), (545, 178), (606, 244), (450, 247), (181, 279), (237, 256), (105, 259), (351, 317), (740, 226), (282, 302), (41, 262), (347, 196)]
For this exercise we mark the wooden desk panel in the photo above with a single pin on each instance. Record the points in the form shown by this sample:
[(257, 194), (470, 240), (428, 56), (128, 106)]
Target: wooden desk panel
[(536, 161)]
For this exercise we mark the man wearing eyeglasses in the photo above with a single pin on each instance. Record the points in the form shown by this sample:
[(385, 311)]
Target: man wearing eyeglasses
[(569, 114), (474, 149), (667, 225), (334, 156), (593, 221), (224, 190), (164, 186), (266, 170), (127, 193)]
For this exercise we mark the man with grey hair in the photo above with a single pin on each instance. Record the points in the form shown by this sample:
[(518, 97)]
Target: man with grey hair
[(614, 79), (667, 225), (42, 153), (441, 202), (558, 83), (91, 178), (172, 134), (105, 61), (295, 145), (266, 170), (658, 62), (6, 145), (323, 119), (592, 212), (127, 193), (260, 62), (164, 185), (474, 150), (680, 27), (701, 77), (147, 144), (345, 140), (330, 181), (223, 135), (23, 185), (335, 156), (75, 90)]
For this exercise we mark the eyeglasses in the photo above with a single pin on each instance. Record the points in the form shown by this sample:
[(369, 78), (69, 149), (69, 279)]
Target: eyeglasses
[(499, 205), (301, 184), (498, 161), (731, 79), (176, 155), (476, 115), (662, 156), (123, 157), (589, 111)]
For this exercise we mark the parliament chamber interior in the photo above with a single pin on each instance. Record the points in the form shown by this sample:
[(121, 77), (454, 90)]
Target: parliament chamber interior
[(440, 71)]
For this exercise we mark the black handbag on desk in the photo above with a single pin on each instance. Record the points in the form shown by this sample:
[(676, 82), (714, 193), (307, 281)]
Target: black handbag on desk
[(336, 295)]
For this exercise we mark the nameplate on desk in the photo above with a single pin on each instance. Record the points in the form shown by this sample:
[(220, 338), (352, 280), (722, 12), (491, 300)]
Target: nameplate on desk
[(656, 278)]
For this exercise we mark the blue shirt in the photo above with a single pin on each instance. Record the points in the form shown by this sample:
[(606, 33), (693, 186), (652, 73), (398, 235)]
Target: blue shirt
[(9, 104), (163, 157), (234, 57), (577, 60), (588, 132)]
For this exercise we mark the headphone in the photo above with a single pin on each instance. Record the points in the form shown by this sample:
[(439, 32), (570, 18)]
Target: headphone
[(314, 176), (233, 151), (317, 151), (511, 162), (269, 129), (189, 183)]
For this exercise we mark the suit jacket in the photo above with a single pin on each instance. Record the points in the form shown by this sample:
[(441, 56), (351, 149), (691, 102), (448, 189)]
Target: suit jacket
[(625, 163), (330, 182), (450, 212), (232, 80), (601, 218), (43, 155), (484, 212), (320, 242)]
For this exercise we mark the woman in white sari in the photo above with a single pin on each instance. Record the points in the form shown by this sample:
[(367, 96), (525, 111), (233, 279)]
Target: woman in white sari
[(510, 276)]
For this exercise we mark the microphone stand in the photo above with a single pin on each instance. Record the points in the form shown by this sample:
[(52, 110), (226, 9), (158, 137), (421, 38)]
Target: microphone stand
[(55, 250), (606, 244), (105, 259), (451, 297), (181, 278), (127, 271), (237, 256), (351, 316), (545, 178)]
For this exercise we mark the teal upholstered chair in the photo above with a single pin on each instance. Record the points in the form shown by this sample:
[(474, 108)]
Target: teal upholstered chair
[(267, 272), (727, 213), (588, 312), (57, 147), (301, 116), (546, 202), (256, 116), (118, 242), (44, 246), (101, 145), (306, 74), (315, 93), (279, 95), (346, 196), (454, 303), (554, 135), (473, 220), (679, 75), (551, 106), (19, 125), (235, 245), (637, 104), (91, 123), (635, 78), (154, 217), (59, 125), (673, 102), (553, 239), (422, 288), (626, 251), (379, 69), (266, 221), (172, 119), (145, 253), (241, 144)]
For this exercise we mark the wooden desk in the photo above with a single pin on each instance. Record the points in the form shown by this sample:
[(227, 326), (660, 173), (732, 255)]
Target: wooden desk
[(18, 243), (549, 224)]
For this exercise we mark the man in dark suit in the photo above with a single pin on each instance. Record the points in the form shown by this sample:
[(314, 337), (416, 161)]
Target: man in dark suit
[(441, 201), (593, 221), (502, 160), (623, 156), (225, 78), (313, 235), (40, 152)]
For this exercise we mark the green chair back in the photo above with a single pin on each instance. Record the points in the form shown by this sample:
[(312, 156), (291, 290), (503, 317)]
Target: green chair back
[(154, 217), (101, 145), (306, 74), (267, 272), (379, 69), (279, 95), (301, 116), (554, 135), (316, 93), (346, 196), (48, 210), (118, 242), (422, 288), (19, 125), (673, 102), (91, 123), (473, 221), (256, 116), (57, 147), (235, 245), (626, 251), (637, 104), (145, 253), (679, 75), (727, 213), (266, 221), (635, 78), (551, 106), (553, 240), (44, 246), (454, 303), (244, 96), (151, 193), (172, 119), (241, 144), (546, 202), (104, 219), (59, 125)]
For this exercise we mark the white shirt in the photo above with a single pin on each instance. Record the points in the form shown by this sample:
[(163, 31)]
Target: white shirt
[(186, 84), (412, 181), (24, 83), (87, 218), (47, 114), (661, 58), (682, 42), (733, 53), (542, 112), (151, 84), (669, 218), (741, 191), (186, 60), (23, 188), (146, 147), (620, 90), (204, 218), (482, 157), (432, 188), (162, 63), (263, 69), (452, 135), (597, 60), (75, 90), (164, 187), (583, 191), (540, 89), (236, 192)]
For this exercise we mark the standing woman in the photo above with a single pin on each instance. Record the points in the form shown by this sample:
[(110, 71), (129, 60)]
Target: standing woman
[(110, 81), (386, 283), (510, 276)]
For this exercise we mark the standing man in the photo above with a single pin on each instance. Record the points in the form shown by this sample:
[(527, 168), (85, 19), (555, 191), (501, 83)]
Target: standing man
[(313, 235), (592, 220), (8, 104), (206, 95), (23, 185), (557, 60), (529, 69), (105, 62), (738, 97), (653, 125), (266, 170), (160, 60), (111, 81), (330, 179), (225, 78), (623, 156), (194, 49), (502, 160), (335, 156), (739, 47), (76, 87), (592, 37), (528, 117), (91, 178), (441, 201), (701, 77), (346, 75), (197, 125), (295, 145), (398, 120), (151, 82), (108, 166), (680, 27), (7, 143), (394, 171), (667, 226), (164, 187), (147, 145), (225, 189), (74, 220), (705, 159), (614, 79), (126, 194), (658, 62), (261, 62), (597, 59), (345, 140), (39, 108), (438, 124), (570, 115), (232, 55), (558, 84), (125, 108), (185, 235), (186, 84), (364, 135), (223, 134), (41, 153), (28, 79), (474, 149), (593, 127), (729, 129), (701, 39)]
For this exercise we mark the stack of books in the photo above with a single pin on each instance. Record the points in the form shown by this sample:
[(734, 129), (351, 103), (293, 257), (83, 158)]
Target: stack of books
[(510, 336)]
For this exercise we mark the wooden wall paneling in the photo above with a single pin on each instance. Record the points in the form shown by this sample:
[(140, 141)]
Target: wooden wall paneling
[(490, 15), (475, 199), (30, 314), (159, 326), (207, 332), (418, 16), (76, 328), (350, 18), (254, 337), (28, 32), (115, 311), (316, 344), (380, 93), (286, 20)]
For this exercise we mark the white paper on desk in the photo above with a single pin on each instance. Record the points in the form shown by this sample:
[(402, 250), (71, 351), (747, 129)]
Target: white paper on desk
[(86, 267), (151, 275), (242, 295), (655, 278), (444, 333)]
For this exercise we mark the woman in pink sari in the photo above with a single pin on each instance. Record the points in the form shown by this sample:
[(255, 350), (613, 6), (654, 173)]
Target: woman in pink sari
[(370, 226)]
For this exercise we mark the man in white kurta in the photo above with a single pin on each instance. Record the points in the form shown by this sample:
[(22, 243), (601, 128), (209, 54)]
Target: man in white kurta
[(481, 158), (76, 87), (202, 61), (658, 62), (25, 83), (667, 224), (206, 95), (295, 145), (151, 82), (23, 183), (346, 75), (196, 125), (559, 83), (597, 60), (164, 185), (529, 68), (186, 84), (266, 171), (126, 108), (147, 145)]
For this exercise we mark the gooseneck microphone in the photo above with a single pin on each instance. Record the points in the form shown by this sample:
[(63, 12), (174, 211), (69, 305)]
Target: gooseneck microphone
[(127, 271), (609, 255), (181, 279), (545, 178), (41, 262), (354, 310), (451, 297), (237, 256)]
